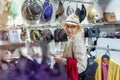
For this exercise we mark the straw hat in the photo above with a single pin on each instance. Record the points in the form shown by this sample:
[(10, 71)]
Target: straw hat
[(92, 13), (71, 19)]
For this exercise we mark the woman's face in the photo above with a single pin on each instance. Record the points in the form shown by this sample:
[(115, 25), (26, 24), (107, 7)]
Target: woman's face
[(71, 30)]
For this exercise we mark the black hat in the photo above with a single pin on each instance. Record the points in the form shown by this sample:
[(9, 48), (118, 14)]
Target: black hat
[(47, 35), (60, 35)]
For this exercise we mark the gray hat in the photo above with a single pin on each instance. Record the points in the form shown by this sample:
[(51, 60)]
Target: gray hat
[(31, 10)]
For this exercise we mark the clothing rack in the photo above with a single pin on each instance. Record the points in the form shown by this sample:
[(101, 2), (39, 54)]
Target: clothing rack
[(80, 1)]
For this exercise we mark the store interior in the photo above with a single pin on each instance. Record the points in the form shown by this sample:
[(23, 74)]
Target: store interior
[(28, 38)]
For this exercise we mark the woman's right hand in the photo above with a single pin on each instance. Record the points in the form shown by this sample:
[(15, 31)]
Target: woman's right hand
[(58, 59)]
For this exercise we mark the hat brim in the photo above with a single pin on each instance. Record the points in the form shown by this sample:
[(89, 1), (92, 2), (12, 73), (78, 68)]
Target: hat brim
[(63, 24)]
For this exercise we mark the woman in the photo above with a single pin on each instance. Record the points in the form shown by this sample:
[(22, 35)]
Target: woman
[(75, 47)]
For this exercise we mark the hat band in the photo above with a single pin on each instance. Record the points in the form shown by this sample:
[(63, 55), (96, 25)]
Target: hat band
[(73, 22)]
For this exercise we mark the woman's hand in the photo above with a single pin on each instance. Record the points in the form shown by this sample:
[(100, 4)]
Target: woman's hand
[(58, 59)]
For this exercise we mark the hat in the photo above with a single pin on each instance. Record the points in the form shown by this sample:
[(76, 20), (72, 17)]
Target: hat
[(60, 35), (60, 10), (47, 11), (47, 35), (71, 19), (69, 10), (36, 35), (81, 13), (31, 10), (92, 13)]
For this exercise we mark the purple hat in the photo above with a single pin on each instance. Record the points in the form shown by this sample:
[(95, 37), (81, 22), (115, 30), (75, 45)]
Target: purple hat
[(47, 11)]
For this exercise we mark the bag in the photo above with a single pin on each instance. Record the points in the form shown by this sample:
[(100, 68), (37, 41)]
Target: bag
[(109, 16)]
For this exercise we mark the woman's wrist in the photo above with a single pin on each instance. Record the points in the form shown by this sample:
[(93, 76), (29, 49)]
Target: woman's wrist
[(64, 61)]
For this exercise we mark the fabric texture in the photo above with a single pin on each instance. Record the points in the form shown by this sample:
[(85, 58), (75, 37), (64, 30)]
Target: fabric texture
[(113, 70), (98, 71), (71, 69), (104, 70), (76, 47)]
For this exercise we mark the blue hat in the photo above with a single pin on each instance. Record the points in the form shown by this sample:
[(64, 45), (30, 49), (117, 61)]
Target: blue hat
[(47, 11)]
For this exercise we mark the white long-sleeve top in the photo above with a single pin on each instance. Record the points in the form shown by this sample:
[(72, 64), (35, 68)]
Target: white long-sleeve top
[(75, 48)]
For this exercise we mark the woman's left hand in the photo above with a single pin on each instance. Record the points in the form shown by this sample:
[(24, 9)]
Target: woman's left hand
[(58, 59)]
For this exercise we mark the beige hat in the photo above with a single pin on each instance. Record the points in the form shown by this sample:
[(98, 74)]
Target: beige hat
[(71, 19), (92, 13)]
